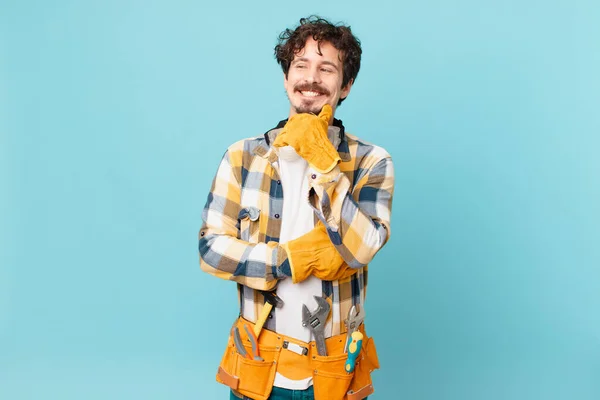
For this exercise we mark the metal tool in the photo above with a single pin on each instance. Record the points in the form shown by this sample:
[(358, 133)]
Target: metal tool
[(239, 345), (356, 316), (253, 343), (271, 299), (353, 349), (315, 321)]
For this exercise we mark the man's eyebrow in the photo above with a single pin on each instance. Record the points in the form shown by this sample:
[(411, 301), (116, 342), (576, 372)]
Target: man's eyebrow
[(334, 65), (301, 59)]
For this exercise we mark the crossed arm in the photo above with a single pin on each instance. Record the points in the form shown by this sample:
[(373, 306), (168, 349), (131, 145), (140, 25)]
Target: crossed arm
[(357, 222)]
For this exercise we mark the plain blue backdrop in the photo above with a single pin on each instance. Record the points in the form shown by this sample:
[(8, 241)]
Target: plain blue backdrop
[(114, 115)]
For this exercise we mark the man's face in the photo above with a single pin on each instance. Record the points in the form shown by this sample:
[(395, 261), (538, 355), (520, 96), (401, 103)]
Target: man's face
[(315, 79)]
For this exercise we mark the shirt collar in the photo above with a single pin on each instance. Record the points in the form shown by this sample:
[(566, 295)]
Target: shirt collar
[(335, 134)]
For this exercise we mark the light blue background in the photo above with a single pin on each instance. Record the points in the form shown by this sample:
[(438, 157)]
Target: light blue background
[(114, 115)]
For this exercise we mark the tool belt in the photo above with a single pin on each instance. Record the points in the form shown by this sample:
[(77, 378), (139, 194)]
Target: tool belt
[(293, 358)]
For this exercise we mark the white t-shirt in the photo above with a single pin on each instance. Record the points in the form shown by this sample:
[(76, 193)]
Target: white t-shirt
[(297, 219)]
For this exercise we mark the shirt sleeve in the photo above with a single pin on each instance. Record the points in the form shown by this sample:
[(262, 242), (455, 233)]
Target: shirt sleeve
[(222, 252), (357, 219)]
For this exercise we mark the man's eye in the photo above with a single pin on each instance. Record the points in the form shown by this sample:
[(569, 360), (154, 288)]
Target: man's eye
[(300, 66), (328, 70)]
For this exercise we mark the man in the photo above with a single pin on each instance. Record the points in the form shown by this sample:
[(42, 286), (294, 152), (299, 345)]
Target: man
[(294, 216)]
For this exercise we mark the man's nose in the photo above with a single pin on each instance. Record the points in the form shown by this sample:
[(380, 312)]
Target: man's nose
[(313, 76)]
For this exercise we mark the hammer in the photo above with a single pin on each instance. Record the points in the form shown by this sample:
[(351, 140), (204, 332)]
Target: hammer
[(271, 300)]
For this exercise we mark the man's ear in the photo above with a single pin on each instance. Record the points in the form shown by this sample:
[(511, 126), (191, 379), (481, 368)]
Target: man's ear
[(346, 89), (285, 81)]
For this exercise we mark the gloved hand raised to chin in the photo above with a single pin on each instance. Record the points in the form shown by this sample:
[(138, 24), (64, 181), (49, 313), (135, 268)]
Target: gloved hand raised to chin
[(314, 254), (307, 134)]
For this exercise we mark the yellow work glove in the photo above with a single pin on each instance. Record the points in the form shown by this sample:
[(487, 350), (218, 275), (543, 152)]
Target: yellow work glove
[(307, 134), (314, 254)]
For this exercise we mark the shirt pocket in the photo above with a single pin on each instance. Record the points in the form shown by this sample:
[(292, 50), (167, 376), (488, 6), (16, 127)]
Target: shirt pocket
[(248, 219)]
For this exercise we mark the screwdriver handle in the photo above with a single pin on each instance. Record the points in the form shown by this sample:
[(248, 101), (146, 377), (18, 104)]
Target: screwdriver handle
[(354, 346)]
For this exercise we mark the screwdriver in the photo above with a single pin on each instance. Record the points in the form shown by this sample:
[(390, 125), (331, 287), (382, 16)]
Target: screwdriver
[(354, 346)]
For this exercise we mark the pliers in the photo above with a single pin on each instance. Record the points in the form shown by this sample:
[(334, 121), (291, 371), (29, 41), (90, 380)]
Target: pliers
[(253, 343), (240, 345)]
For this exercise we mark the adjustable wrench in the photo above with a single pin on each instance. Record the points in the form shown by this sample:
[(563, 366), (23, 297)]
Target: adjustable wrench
[(356, 316), (315, 321)]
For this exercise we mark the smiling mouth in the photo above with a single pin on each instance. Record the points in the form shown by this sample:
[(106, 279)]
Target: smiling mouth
[(310, 93)]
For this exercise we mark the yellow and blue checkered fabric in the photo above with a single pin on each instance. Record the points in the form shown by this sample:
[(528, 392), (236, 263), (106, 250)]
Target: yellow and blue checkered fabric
[(239, 237)]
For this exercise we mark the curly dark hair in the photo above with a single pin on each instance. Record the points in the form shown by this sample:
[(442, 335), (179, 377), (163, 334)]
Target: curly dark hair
[(340, 36)]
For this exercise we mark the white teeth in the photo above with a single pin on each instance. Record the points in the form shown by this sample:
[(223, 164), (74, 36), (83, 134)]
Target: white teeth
[(310, 94)]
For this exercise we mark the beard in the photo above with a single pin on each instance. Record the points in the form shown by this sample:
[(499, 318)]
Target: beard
[(307, 107)]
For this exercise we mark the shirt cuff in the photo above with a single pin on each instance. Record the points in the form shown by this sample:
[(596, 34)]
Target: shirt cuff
[(283, 268), (326, 195)]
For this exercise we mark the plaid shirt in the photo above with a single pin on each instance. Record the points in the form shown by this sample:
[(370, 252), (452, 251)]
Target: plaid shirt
[(239, 237)]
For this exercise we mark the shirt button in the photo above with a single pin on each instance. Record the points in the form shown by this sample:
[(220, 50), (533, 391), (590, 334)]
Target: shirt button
[(276, 215), (314, 176)]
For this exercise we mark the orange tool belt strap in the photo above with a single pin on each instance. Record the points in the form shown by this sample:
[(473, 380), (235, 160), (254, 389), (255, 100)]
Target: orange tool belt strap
[(296, 360)]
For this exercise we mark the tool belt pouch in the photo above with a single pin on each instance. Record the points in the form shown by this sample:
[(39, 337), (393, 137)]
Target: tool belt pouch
[(330, 379), (248, 377), (255, 379), (362, 385)]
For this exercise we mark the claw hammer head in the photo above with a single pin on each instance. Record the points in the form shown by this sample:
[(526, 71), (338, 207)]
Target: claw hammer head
[(273, 299)]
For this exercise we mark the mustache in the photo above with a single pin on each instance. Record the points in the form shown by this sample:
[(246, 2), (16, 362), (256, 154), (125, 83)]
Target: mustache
[(313, 87)]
